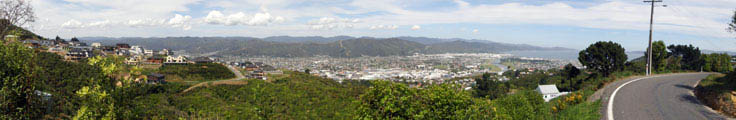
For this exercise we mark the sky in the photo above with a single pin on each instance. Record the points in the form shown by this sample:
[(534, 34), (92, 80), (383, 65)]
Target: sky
[(549, 23)]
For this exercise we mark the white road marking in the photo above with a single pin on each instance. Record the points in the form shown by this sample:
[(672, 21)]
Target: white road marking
[(609, 108)]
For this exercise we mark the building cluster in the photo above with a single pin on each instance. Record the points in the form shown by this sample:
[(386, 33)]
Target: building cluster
[(75, 50), (256, 70), (434, 68), (537, 63)]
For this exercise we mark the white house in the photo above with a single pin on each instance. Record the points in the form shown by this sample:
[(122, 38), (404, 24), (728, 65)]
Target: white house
[(549, 92), (96, 45), (175, 60)]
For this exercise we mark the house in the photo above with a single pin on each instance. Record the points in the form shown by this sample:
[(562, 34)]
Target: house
[(175, 60), (122, 52), (96, 45), (258, 74), (122, 46), (11, 38), (40, 42), (136, 50), (155, 78), (250, 67), (147, 52), (78, 53), (107, 49), (549, 92), (155, 60), (202, 60), (165, 52), (133, 60)]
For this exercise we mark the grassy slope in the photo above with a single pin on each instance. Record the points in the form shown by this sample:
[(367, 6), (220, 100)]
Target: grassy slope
[(716, 91), (196, 72), (298, 96)]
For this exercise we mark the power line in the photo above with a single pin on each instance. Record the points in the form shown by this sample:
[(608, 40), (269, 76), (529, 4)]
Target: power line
[(691, 15)]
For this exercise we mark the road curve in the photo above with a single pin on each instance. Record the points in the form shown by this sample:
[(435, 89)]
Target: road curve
[(665, 97)]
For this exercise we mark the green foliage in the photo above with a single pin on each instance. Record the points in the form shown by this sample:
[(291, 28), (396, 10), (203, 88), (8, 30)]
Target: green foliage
[(717, 62), (17, 84), (570, 71), (524, 105), (62, 79), (387, 100), (489, 87), (603, 57), (659, 56), (198, 72), (563, 102), (96, 104), (689, 56), (716, 91), (298, 96), (582, 111)]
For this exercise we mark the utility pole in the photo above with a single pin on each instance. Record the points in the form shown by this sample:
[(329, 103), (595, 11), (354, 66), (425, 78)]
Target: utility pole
[(649, 49)]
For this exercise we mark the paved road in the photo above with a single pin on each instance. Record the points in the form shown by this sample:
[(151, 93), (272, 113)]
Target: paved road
[(667, 97)]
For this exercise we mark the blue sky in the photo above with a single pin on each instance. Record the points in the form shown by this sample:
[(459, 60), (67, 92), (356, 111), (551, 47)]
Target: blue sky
[(553, 23)]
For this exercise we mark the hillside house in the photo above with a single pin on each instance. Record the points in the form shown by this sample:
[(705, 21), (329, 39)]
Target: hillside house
[(148, 52), (155, 60), (175, 60), (549, 92), (122, 46), (78, 53)]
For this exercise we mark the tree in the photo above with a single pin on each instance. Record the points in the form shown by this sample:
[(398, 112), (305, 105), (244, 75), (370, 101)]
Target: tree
[(603, 57), (488, 87), (659, 56), (14, 13), (17, 85), (690, 55), (570, 71), (74, 39)]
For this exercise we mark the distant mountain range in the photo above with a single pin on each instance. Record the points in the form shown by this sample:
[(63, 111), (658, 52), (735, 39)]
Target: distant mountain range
[(338, 46)]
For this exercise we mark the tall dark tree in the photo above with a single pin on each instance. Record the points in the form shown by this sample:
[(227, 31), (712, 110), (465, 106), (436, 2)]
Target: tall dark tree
[(570, 71), (690, 56), (603, 57)]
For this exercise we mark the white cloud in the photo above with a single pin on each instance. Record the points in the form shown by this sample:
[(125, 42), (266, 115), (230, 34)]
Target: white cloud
[(333, 23), (240, 18), (145, 22), (461, 4), (72, 24), (180, 21), (101, 24), (384, 27), (618, 15), (416, 27)]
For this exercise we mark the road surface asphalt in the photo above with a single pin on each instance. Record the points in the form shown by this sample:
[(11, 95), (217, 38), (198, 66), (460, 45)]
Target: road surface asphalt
[(663, 97)]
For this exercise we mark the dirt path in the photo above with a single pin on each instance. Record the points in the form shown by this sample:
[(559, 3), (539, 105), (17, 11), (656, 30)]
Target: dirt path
[(234, 81)]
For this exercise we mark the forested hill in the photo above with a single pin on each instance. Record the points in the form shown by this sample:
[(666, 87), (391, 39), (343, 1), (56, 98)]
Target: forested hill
[(339, 46)]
